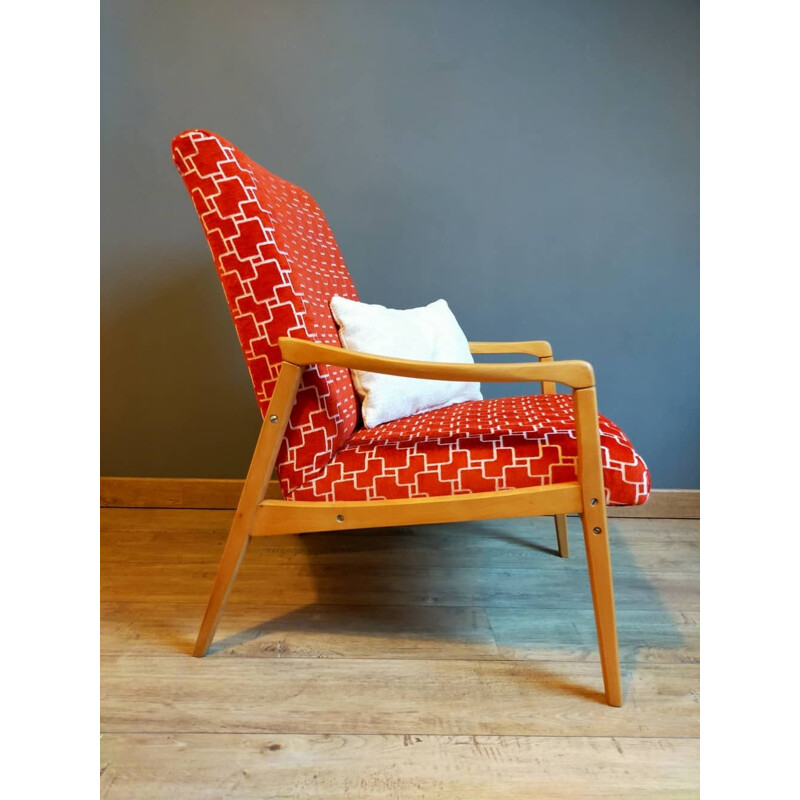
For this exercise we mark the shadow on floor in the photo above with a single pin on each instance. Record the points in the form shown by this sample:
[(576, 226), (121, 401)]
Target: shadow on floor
[(481, 590)]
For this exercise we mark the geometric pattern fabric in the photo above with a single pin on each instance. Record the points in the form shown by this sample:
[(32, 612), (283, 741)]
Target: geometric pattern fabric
[(478, 446), (279, 266)]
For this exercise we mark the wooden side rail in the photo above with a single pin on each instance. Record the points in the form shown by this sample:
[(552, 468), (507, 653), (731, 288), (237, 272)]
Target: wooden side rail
[(576, 374), (276, 517), (540, 349)]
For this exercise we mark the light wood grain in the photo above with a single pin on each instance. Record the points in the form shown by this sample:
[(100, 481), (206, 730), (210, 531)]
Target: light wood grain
[(539, 348), (208, 767), (596, 538), (210, 493), (206, 522), (663, 503), (254, 491), (405, 585), (493, 564), (658, 636), (562, 537), (275, 517), (288, 675), (148, 694), (256, 516), (443, 632), (139, 567), (170, 492), (185, 537), (576, 374), (548, 387), (303, 631)]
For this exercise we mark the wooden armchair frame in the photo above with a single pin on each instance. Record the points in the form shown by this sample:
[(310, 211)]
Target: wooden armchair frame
[(258, 516)]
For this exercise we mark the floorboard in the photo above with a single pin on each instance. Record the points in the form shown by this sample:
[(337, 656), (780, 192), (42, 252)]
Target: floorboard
[(344, 695), (438, 661), (210, 766)]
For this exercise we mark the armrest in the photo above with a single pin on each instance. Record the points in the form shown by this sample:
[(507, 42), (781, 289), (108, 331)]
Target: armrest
[(301, 352), (540, 349)]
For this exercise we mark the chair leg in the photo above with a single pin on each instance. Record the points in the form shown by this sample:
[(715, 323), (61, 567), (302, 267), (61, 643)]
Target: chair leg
[(232, 556), (253, 492), (595, 535), (561, 535), (599, 557)]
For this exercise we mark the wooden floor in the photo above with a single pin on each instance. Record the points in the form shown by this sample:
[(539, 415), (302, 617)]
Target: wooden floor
[(451, 661)]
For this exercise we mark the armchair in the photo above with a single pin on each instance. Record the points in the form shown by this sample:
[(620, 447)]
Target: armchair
[(545, 454)]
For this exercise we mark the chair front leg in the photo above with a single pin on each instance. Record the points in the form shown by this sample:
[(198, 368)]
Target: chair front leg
[(595, 534), (232, 556), (254, 491)]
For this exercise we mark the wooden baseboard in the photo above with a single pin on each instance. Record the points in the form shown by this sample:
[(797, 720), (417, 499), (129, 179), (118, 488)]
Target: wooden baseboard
[(224, 493), (663, 504), (170, 492)]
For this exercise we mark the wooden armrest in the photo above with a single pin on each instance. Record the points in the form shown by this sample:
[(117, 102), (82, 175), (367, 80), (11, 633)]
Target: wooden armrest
[(541, 349), (301, 352)]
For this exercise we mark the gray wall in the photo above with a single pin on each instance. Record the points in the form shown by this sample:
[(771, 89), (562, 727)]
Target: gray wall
[(535, 163)]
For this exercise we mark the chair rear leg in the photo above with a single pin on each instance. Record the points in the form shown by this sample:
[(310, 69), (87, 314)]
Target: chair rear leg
[(561, 535)]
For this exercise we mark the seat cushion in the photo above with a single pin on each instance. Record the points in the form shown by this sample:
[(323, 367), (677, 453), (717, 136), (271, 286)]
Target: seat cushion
[(477, 446)]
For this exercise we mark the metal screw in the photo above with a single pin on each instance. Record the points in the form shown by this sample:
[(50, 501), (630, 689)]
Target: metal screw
[(273, 417), (340, 517), (593, 501), (597, 530)]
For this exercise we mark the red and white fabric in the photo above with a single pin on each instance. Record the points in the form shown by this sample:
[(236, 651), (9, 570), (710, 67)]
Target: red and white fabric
[(279, 265), (478, 446)]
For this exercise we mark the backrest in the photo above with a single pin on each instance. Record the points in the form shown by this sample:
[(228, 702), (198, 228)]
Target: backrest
[(279, 266)]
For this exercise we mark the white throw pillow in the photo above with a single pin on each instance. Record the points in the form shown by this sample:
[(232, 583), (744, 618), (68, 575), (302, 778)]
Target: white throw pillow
[(430, 333)]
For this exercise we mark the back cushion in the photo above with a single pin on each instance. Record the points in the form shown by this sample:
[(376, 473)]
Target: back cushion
[(279, 266)]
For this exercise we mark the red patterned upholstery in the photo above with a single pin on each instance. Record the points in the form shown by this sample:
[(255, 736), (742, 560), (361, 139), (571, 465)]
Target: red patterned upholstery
[(279, 266), (479, 446)]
